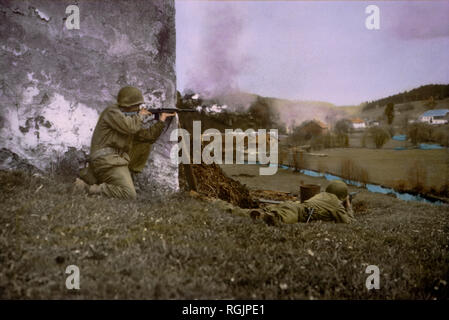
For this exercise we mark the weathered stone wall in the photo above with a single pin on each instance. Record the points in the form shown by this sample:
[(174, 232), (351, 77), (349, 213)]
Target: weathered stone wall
[(55, 81)]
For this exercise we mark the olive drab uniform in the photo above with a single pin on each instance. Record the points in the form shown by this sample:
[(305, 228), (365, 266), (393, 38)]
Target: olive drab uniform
[(323, 206), (326, 207), (118, 142), (138, 154)]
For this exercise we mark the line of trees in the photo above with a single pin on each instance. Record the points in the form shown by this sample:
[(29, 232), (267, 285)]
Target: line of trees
[(378, 135), (423, 132), (311, 133), (427, 92), (389, 112)]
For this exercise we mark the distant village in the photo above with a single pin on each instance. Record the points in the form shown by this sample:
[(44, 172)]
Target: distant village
[(331, 127), (432, 117)]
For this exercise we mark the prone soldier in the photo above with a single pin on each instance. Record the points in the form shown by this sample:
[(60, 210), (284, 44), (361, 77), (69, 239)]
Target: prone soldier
[(332, 205)]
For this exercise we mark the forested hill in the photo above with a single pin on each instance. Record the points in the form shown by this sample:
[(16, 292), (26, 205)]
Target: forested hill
[(437, 91)]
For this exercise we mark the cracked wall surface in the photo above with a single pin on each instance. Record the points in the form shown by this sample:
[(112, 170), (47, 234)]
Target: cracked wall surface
[(55, 81)]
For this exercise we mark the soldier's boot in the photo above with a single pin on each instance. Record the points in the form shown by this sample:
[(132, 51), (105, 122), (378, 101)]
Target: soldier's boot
[(80, 187), (137, 183), (256, 214), (95, 189), (270, 219), (267, 217)]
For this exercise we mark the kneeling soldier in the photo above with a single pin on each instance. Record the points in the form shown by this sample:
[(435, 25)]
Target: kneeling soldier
[(118, 134)]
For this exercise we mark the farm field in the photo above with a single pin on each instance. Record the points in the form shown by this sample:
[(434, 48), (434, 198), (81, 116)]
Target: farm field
[(388, 167)]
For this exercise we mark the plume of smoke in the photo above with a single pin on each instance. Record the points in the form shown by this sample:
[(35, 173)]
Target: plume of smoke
[(296, 112), (218, 59)]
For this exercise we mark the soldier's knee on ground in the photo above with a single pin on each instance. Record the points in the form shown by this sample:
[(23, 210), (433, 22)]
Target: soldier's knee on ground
[(120, 192), (126, 192), (80, 186), (117, 183), (95, 189), (129, 193)]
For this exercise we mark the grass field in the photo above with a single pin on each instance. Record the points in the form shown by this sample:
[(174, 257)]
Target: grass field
[(184, 248), (388, 167)]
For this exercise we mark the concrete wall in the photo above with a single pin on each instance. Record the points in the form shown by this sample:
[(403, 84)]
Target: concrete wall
[(55, 81)]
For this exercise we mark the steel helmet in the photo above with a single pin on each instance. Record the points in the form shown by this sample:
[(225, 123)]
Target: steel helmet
[(129, 96), (339, 188)]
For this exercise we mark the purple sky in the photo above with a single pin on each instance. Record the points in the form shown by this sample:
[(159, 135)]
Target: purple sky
[(311, 50)]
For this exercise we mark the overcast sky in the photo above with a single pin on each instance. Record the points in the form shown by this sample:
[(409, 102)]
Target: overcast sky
[(311, 50)]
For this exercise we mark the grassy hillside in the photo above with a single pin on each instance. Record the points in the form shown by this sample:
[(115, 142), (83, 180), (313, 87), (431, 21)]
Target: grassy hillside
[(403, 111), (435, 91), (184, 248)]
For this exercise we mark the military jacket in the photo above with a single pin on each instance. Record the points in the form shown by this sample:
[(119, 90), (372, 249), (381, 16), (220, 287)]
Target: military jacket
[(117, 131), (328, 207)]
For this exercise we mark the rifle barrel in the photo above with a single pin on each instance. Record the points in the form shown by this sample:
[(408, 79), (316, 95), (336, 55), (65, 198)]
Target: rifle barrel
[(270, 201), (168, 110), (353, 194)]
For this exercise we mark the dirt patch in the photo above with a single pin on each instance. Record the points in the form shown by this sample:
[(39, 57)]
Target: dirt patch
[(244, 175), (213, 182), (273, 195), (360, 207)]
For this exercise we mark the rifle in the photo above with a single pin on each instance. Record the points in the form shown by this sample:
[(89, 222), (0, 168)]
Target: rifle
[(269, 201), (166, 110), (155, 111), (352, 195)]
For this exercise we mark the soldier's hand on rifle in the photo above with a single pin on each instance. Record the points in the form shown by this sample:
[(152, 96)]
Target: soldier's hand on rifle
[(347, 202), (164, 116), (144, 112)]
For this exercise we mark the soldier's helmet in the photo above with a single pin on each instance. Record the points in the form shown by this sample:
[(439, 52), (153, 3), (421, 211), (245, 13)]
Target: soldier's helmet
[(129, 96), (339, 188)]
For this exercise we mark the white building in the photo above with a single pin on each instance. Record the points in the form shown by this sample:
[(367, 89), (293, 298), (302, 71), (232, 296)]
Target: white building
[(372, 123), (437, 116), (358, 123)]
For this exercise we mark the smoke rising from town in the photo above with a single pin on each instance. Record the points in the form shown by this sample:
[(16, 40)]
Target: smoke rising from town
[(218, 58)]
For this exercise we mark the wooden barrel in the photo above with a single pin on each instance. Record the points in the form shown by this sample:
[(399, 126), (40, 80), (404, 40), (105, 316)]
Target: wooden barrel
[(307, 191)]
